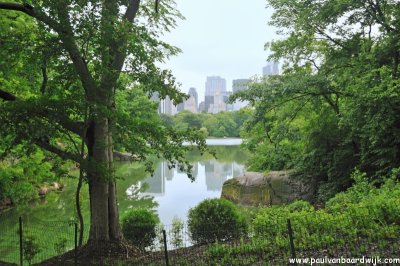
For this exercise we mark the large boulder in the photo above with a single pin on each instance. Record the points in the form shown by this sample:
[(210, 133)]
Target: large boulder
[(255, 188)]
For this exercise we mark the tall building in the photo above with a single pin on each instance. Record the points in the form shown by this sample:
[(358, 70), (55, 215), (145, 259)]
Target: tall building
[(192, 102), (180, 107), (167, 106), (202, 107), (193, 92), (239, 85), (215, 85), (271, 68)]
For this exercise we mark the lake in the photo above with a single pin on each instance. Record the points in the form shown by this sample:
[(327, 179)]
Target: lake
[(173, 192), (169, 192)]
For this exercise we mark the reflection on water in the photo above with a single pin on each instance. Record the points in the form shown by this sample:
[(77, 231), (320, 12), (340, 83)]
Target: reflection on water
[(169, 191), (176, 194)]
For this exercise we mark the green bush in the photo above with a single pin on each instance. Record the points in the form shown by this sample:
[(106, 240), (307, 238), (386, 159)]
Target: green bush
[(300, 206), (216, 219), (139, 227)]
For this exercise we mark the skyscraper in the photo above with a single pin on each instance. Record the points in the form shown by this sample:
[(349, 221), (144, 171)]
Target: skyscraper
[(193, 92), (215, 85), (271, 68), (191, 104), (240, 85)]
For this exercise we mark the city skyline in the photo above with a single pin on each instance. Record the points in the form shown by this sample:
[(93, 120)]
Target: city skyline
[(229, 46), (216, 94)]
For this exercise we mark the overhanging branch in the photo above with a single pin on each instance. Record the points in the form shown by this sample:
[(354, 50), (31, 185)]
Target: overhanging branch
[(63, 154), (31, 11), (66, 35), (6, 96)]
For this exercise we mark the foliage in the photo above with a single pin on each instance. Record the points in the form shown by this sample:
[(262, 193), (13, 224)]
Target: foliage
[(177, 233), (30, 248), (215, 220), (336, 105), (362, 220), (139, 227), (61, 246), (224, 124), (75, 81), (25, 171)]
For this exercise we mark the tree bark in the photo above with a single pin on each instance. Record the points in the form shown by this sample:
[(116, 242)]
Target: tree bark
[(104, 225)]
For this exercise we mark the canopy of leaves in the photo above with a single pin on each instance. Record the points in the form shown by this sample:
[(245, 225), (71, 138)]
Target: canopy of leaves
[(336, 104)]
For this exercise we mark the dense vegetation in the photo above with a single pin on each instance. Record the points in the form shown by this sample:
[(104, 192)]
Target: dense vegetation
[(334, 109), (224, 124), (362, 221), (63, 91), (336, 106)]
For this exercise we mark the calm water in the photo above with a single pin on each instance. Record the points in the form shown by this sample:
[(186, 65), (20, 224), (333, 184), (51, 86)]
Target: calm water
[(169, 192), (174, 193)]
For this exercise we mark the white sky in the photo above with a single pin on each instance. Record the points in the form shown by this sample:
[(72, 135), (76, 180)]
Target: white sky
[(219, 37)]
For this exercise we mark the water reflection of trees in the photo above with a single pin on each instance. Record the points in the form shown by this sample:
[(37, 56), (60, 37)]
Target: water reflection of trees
[(141, 186)]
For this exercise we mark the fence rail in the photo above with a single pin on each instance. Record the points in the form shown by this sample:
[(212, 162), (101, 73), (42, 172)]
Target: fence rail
[(272, 243)]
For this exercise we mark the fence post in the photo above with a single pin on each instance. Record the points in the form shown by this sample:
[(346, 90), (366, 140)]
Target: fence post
[(291, 243), (165, 247), (76, 244), (21, 248)]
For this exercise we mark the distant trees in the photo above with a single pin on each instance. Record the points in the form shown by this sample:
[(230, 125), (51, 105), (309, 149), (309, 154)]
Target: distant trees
[(224, 124), (336, 106)]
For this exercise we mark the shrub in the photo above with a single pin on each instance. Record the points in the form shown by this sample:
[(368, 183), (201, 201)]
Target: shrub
[(30, 248), (177, 232), (216, 219), (300, 206), (139, 227)]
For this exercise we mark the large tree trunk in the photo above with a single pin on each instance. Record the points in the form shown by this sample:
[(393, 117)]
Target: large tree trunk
[(104, 225)]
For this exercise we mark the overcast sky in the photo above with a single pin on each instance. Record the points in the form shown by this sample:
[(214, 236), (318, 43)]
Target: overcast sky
[(219, 37)]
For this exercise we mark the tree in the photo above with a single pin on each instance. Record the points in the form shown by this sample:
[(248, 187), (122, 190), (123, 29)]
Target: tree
[(74, 57), (335, 107)]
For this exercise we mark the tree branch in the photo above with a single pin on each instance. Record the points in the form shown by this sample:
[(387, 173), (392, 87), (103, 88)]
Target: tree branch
[(6, 96), (129, 16), (63, 154), (44, 75), (66, 35), (156, 7), (31, 11)]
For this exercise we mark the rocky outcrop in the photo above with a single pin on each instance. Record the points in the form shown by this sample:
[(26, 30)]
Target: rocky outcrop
[(124, 156), (53, 187), (255, 188)]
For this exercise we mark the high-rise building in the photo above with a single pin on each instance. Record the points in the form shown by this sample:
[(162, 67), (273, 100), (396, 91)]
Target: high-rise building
[(193, 92), (180, 107), (202, 107), (167, 106), (192, 102), (215, 85), (271, 68), (239, 85)]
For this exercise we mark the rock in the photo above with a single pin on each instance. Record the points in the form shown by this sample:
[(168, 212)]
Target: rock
[(54, 186), (43, 191), (255, 188), (123, 156)]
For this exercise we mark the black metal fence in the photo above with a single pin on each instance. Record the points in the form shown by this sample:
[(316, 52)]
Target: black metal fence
[(271, 243)]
